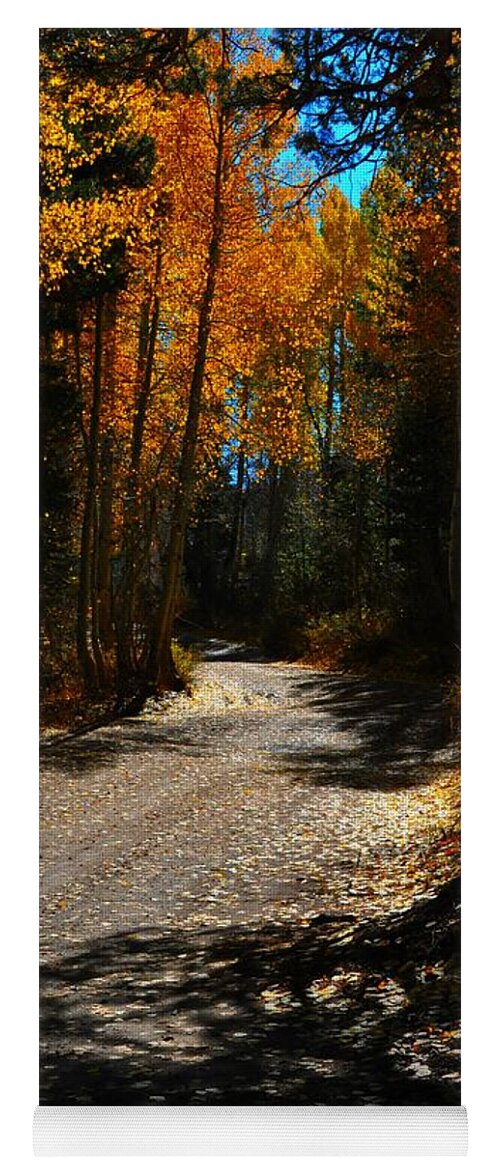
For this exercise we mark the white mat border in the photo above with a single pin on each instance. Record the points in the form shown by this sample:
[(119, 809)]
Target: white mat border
[(250, 1130)]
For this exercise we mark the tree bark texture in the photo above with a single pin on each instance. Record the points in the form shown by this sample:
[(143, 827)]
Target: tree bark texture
[(161, 668), (134, 545), (86, 657)]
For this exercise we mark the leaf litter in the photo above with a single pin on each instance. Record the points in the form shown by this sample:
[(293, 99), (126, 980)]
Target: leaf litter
[(254, 808)]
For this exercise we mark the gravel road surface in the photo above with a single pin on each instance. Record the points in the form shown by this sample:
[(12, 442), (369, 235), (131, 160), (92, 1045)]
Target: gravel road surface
[(183, 848)]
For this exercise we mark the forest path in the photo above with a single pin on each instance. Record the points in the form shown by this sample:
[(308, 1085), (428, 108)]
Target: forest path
[(277, 798), (264, 797)]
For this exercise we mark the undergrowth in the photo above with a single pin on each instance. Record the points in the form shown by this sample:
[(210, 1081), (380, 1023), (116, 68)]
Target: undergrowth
[(186, 660), (372, 644)]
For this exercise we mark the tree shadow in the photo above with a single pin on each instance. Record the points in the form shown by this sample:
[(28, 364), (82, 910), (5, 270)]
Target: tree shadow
[(387, 735), (102, 742), (324, 1014), (381, 736), (131, 737)]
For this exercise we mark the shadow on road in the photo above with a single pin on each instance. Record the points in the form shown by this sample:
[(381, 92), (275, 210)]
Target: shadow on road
[(124, 741), (323, 1014), (386, 734), (380, 735)]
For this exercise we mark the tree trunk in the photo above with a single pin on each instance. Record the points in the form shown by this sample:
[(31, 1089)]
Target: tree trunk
[(236, 542), (231, 565), (86, 657), (280, 482), (335, 389), (330, 398), (105, 548), (387, 520), (161, 667), (104, 601), (94, 602), (454, 536), (358, 541), (133, 557)]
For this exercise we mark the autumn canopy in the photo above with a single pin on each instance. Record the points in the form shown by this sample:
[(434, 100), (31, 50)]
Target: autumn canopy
[(249, 384)]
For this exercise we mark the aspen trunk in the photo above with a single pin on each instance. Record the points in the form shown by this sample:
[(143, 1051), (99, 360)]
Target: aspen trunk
[(454, 535), (134, 558), (236, 538), (358, 541), (104, 549), (94, 603), (231, 565), (273, 531), (161, 667), (279, 491), (86, 657), (330, 398), (388, 520)]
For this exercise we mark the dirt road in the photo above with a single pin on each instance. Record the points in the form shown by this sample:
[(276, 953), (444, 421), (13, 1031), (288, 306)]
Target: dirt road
[(186, 851)]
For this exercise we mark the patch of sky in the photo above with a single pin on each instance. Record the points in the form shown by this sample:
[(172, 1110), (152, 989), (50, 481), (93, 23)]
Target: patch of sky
[(295, 169), (354, 182), (167, 335)]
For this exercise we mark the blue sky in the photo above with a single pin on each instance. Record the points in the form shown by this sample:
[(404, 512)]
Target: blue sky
[(355, 181), (352, 182)]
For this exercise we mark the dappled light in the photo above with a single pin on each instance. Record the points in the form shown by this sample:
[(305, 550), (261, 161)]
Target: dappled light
[(250, 566), (277, 1015)]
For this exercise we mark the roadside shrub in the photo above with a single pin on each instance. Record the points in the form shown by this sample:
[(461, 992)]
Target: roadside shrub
[(375, 644), (330, 636), (283, 634), (453, 700), (186, 660)]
